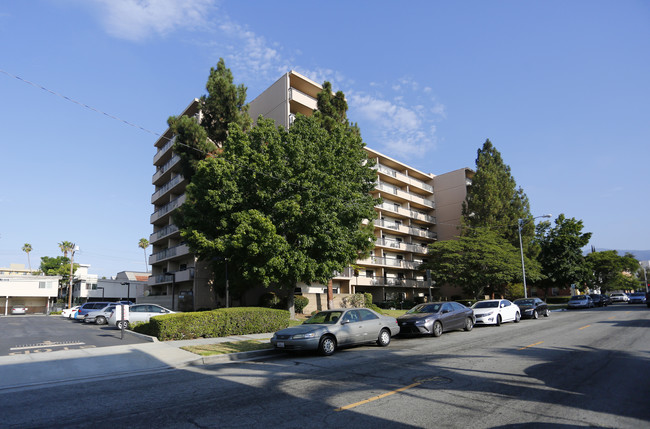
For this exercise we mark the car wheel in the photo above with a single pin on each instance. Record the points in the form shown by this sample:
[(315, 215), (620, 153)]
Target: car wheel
[(535, 315), (469, 324), (384, 338), (517, 317), (327, 345), (547, 313), (100, 320), (437, 329), (498, 320)]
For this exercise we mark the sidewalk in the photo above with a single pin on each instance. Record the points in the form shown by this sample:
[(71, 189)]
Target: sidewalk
[(93, 363)]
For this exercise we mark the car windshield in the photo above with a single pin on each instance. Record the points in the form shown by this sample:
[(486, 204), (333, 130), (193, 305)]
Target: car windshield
[(324, 317), (486, 304), (524, 302), (638, 294), (425, 308)]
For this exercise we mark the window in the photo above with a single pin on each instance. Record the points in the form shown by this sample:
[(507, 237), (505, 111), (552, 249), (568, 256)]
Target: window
[(370, 273), (367, 315), (42, 285), (447, 307)]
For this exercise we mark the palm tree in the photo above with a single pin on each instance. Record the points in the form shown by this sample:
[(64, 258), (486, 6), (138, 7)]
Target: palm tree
[(28, 248), (66, 247), (143, 244)]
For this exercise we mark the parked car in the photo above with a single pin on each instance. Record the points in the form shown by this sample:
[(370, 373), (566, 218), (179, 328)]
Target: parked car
[(100, 317), (647, 299), (435, 318), (619, 297), (138, 313), (598, 300), (327, 330), (608, 300), (495, 312), (69, 312), (637, 298), (580, 301), (19, 309), (532, 308), (86, 308)]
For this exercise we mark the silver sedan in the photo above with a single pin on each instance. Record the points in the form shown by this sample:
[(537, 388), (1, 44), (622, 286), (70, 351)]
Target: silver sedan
[(327, 330)]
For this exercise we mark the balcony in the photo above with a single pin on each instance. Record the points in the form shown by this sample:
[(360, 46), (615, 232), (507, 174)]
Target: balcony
[(181, 276), (166, 187), (394, 226), (403, 177), (389, 262), (163, 150), (170, 253), (160, 171), (301, 102), (423, 233), (413, 214), (164, 210), (162, 233), (403, 195)]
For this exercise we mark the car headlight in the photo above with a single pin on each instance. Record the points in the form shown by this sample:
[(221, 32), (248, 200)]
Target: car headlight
[(487, 314), (303, 336)]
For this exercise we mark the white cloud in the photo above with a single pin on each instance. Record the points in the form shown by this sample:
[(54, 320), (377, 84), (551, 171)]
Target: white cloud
[(139, 20)]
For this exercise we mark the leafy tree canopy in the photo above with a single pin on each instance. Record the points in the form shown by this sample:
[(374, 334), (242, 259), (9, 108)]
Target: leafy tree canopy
[(283, 206), (613, 272), (494, 201), (481, 262), (561, 255)]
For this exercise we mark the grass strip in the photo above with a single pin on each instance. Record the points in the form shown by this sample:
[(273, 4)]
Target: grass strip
[(229, 347)]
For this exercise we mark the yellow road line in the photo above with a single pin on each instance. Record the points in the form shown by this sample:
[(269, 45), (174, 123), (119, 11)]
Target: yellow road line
[(586, 326), (374, 398), (532, 345)]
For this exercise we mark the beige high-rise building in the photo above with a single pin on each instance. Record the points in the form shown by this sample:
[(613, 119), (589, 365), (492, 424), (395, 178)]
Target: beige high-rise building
[(408, 219)]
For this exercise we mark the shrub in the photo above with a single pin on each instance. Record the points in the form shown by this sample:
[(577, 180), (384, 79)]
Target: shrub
[(222, 322), (300, 302), (270, 300), (355, 301)]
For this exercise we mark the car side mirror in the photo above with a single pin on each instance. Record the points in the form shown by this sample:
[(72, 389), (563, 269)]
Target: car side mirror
[(344, 322)]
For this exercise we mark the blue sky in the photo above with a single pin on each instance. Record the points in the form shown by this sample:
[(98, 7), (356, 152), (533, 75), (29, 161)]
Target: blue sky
[(560, 88)]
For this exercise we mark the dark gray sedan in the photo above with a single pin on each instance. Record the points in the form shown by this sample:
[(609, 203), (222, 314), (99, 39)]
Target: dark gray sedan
[(532, 308), (435, 318), (327, 330)]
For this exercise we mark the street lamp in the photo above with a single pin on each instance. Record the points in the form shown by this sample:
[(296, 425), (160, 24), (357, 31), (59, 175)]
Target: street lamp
[(173, 285), (128, 290), (521, 224), (74, 249)]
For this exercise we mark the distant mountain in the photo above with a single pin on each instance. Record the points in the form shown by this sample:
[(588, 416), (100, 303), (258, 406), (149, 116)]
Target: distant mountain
[(641, 255)]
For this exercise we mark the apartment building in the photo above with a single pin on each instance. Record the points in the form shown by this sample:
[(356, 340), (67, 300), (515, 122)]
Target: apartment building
[(405, 225)]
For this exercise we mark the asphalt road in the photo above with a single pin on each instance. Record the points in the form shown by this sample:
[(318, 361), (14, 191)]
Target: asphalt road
[(24, 334), (579, 368)]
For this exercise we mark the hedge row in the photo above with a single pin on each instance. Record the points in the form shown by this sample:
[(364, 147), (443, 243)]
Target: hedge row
[(222, 322)]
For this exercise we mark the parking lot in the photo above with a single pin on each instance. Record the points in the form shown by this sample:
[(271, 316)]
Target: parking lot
[(25, 334)]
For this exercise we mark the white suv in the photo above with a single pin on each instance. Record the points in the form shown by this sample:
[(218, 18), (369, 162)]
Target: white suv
[(619, 297)]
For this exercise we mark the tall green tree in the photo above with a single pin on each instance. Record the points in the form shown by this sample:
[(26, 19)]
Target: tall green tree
[(143, 244), (494, 201), (283, 206), (482, 262), (28, 248), (66, 246), (561, 255), (57, 266), (612, 271), (222, 105)]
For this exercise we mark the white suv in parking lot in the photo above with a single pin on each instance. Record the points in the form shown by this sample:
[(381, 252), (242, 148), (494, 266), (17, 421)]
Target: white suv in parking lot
[(619, 297)]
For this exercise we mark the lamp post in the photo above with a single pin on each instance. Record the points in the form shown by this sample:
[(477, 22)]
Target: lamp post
[(520, 225), (128, 290), (227, 285), (168, 273), (74, 249)]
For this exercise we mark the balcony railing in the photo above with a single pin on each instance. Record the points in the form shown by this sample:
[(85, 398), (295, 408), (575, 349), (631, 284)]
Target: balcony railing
[(390, 262), (161, 150), (165, 167), (181, 249), (166, 187), (177, 202), (403, 177), (168, 230)]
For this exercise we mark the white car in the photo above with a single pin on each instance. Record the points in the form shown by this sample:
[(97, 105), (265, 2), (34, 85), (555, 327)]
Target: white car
[(496, 312), (138, 313), (69, 312), (619, 297), (100, 317)]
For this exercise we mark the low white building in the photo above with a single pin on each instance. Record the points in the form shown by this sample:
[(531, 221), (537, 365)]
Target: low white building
[(37, 293), (127, 285)]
